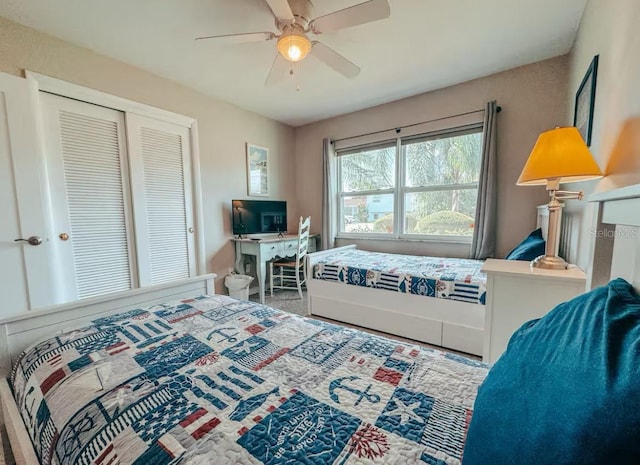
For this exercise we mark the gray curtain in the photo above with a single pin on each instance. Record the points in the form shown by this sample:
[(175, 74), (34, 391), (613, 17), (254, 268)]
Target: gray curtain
[(329, 195), (483, 244)]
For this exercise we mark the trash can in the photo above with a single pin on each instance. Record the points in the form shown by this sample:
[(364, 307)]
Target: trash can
[(238, 285)]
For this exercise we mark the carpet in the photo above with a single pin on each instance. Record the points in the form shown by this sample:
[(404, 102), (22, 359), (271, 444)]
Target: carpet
[(289, 301)]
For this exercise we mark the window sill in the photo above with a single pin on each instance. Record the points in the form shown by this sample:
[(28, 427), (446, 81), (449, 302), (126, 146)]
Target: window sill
[(434, 239)]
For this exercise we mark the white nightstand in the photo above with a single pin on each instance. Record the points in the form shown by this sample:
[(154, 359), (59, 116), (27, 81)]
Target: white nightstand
[(516, 294)]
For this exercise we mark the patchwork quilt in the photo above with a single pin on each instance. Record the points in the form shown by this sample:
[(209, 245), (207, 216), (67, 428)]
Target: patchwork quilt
[(213, 380), (445, 278)]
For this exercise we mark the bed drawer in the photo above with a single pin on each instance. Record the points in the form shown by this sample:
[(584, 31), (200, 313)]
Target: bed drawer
[(463, 338), (409, 326)]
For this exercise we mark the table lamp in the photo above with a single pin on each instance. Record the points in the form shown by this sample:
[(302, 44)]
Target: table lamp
[(560, 155)]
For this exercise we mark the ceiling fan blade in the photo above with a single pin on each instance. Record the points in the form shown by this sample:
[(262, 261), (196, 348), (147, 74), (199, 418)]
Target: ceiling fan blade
[(241, 38), (281, 9), (362, 13), (334, 60), (278, 71)]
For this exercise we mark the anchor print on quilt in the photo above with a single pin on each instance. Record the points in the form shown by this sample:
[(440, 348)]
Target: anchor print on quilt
[(216, 380)]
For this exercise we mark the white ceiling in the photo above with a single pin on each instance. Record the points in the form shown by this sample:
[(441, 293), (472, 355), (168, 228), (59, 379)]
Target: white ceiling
[(424, 45)]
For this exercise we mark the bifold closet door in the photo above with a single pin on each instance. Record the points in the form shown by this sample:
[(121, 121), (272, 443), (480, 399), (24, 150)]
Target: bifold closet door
[(85, 149), (160, 166)]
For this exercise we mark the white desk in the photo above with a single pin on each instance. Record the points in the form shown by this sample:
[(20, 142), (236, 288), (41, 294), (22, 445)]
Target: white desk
[(267, 249)]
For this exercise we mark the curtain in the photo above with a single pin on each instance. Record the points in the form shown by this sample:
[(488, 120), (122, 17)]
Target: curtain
[(483, 244), (329, 195)]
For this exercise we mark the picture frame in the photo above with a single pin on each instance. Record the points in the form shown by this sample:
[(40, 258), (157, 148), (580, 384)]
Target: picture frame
[(585, 102), (257, 170)]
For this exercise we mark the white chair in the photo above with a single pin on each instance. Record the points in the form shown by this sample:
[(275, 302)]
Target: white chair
[(289, 273)]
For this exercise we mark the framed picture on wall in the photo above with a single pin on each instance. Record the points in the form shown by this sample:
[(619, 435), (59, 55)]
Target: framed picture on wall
[(585, 101), (257, 170)]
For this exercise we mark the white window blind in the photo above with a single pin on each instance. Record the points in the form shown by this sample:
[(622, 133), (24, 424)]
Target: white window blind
[(90, 196)]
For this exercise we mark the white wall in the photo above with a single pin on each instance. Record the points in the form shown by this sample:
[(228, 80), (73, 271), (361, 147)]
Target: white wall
[(533, 99), (609, 28), (224, 128)]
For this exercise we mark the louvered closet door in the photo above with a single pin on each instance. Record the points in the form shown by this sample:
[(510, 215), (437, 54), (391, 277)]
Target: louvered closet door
[(160, 161), (85, 148)]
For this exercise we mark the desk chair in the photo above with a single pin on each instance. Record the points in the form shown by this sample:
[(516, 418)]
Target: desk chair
[(292, 272)]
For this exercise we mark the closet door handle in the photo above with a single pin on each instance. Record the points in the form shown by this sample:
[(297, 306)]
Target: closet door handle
[(33, 240)]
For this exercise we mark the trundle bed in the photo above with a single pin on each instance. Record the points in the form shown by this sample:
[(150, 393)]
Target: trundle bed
[(435, 300)]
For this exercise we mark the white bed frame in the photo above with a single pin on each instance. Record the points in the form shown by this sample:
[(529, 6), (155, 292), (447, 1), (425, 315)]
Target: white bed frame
[(442, 322), (20, 331)]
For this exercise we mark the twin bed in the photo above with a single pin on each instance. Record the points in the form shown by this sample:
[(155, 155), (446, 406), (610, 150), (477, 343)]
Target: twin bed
[(173, 375), (439, 301)]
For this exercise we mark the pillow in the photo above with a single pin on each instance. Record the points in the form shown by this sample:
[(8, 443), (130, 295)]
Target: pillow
[(532, 247), (567, 389)]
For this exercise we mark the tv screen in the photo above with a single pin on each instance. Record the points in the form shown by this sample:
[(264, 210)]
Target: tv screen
[(259, 216)]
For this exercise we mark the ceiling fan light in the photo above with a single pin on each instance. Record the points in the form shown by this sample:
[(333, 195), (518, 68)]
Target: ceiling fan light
[(294, 46)]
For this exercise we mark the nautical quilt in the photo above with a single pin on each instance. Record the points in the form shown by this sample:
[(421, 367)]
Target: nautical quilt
[(214, 380), (444, 278)]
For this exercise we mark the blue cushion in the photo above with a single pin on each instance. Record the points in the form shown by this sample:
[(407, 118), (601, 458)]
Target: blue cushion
[(567, 389), (530, 248)]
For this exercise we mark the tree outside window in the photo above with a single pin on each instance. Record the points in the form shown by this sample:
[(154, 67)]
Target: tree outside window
[(435, 179)]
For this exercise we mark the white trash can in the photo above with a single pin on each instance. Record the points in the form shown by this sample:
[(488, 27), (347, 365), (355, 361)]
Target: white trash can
[(238, 285)]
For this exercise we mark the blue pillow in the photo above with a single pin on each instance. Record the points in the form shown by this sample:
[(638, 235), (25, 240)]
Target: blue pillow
[(532, 247), (567, 389)]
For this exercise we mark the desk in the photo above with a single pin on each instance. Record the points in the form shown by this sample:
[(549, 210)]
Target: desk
[(267, 249)]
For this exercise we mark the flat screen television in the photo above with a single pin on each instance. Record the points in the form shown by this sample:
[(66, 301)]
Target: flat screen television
[(259, 216)]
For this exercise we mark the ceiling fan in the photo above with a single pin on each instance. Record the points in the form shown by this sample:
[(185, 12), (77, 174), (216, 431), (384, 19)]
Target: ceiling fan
[(294, 19)]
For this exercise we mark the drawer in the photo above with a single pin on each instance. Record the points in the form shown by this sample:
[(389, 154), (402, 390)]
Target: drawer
[(271, 250), (289, 248)]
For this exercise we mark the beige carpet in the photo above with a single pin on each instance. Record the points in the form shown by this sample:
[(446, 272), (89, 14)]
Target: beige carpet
[(289, 301)]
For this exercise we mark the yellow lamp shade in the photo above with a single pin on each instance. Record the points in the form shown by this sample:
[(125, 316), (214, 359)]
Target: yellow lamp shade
[(294, 46), (559, 154)]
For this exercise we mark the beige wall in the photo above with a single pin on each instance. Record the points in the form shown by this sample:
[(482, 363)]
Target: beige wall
[(223, 128), (609, 29), (533, 99)]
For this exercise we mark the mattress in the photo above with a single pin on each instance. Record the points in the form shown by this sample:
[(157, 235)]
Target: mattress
[(444, 278), (213, 380)]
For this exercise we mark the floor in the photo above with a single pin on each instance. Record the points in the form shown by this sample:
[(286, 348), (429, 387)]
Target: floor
[(289, 301)]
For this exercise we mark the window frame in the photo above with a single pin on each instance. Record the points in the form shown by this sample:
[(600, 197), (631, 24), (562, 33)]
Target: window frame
[(342, 194), (400, 189)]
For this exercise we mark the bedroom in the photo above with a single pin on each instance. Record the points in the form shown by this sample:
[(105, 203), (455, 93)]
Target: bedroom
[(534, 97)]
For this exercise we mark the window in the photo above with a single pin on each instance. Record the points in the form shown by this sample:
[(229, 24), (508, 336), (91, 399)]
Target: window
[(432, 180), (367, 188)]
